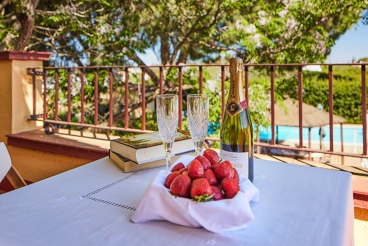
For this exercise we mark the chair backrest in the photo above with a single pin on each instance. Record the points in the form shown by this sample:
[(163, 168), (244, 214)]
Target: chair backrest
[(5, 161), (7, 169)]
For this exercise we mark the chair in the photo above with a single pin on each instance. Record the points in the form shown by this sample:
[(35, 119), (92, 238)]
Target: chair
[(6, 169)]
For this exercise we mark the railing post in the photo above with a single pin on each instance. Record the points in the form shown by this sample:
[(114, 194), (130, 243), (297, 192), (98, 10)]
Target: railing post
[(69, 95), (161, 79), (34, 116), (342, 142), (330, 103), (180, 75), (95, 121), (82, 95), (272, 78), (364, 109), (56, 116), (143, 93), (246, 79), (300, 103), (111, 111), (222, 91), (44, 78), (200, 80), (126, 99)]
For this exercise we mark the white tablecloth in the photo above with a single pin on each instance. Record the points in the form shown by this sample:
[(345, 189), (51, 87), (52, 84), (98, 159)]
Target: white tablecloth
[(92, 205)]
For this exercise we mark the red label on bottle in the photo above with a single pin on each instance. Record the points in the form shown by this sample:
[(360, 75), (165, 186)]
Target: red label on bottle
[(244, 104)]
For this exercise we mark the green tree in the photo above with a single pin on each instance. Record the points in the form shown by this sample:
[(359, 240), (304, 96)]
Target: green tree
[(95, 32), (114, 31)]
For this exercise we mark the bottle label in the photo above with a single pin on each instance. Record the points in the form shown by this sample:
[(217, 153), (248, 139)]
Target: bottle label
[(239, 160), (233, 108)]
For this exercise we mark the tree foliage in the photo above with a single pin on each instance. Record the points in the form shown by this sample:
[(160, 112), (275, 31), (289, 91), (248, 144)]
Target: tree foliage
[(115, 32)]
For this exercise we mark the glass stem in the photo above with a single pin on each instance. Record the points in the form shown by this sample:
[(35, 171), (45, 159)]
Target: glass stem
[(167, 147), (168, 158), (198, 146)]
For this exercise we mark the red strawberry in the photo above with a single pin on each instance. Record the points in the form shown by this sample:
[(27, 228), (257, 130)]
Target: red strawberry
[(214, 166), (230, 187), (177, 167), (223, 170), (180, 186), (211, 155), (217, 194), (232, 172), (201, 190), (236, 175), (195, 169), (183, 170), (205, 162), (169, 178), (210, 176)]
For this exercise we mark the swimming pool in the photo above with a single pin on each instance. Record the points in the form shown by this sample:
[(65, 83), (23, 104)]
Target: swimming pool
[(351, 134)]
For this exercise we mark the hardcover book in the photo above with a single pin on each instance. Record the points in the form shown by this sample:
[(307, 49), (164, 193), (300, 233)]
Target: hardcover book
[(147, 147), (127, 165)]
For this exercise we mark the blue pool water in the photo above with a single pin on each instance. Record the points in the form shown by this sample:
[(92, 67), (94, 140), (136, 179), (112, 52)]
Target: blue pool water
[(350, 134)]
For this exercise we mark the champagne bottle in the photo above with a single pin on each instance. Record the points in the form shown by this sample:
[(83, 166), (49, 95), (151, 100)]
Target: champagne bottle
[(236, 136)]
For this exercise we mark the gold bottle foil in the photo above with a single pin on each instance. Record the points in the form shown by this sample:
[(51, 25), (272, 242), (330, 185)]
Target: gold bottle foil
[(233, 105)]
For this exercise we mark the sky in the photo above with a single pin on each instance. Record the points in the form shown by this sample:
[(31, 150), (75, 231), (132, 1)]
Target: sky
[(353, 44)]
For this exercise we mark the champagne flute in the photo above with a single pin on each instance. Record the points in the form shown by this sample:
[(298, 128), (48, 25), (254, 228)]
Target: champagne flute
[(167, 119), (198, 110)]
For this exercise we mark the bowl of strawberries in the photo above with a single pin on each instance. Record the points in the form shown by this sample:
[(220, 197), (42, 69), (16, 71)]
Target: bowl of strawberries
[(205, 178), (199, 191)]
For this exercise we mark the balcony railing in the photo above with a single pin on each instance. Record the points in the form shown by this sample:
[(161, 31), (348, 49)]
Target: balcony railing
[(59, 111)]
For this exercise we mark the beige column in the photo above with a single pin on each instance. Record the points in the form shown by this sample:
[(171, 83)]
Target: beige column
[(16, 87)]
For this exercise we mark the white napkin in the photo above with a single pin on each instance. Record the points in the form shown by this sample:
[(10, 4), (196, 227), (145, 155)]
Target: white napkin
[(216, 216)]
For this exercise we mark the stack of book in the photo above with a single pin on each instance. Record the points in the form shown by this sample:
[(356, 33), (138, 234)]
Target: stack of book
[(146, 150)]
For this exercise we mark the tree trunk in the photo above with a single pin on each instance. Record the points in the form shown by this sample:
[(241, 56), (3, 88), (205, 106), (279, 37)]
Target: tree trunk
[(26, 19), (165, 49)]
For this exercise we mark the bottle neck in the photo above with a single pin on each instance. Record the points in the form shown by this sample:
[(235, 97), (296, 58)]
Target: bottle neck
[(236, 92), (236, 100)]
